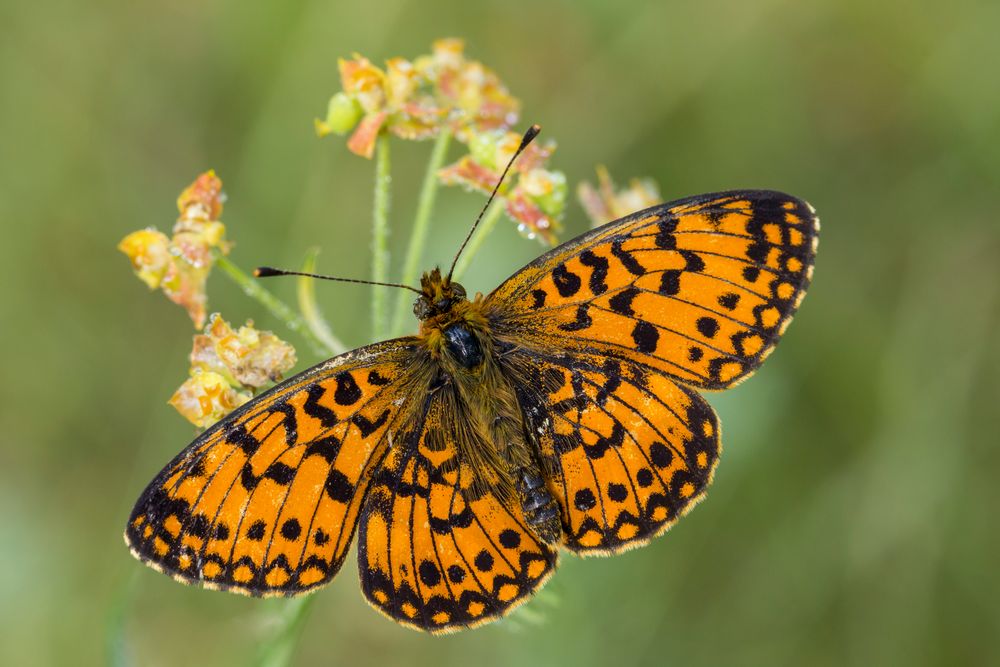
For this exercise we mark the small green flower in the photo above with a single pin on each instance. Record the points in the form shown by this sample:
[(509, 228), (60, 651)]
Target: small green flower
[(342, 114)]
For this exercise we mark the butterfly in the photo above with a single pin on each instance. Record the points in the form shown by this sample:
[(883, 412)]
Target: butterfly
[(561, 411)]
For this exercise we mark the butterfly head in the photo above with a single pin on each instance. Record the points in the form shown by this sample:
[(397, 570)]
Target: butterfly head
[(438, 296)]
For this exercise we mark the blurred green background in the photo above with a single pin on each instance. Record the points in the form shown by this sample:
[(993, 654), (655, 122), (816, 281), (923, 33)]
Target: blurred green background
[(849, 522)]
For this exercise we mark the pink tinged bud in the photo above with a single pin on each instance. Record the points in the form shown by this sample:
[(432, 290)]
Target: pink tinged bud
[(362, 142)]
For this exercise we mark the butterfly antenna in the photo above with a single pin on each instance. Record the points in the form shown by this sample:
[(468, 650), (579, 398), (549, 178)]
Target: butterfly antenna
[(268, 272), (525, 140)]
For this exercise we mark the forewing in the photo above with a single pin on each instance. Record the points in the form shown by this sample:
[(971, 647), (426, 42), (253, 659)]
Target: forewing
[(701, 288), (266, 501), (627, 450), (436, 551)]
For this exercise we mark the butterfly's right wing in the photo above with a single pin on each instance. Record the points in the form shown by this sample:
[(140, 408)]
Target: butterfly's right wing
[(266, 501)]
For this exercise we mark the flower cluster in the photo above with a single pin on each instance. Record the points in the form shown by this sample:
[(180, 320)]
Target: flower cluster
[(227, 367), (535, 197), (605, 203), (445, 91), (180, 265), (416, 100)]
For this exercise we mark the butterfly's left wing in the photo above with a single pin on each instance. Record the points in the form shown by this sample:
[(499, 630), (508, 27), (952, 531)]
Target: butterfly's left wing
[(266, 501), (626, 449), (605, 335), (437, 550)]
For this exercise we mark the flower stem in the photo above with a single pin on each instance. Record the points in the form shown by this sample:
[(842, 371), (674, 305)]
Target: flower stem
[(421, 225), (310, 310), (276, 306), (380, 236), (279, 649), (485, 227)]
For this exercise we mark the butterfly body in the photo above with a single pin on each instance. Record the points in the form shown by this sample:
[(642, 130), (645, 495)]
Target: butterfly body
[(466, 365), (561, 411)]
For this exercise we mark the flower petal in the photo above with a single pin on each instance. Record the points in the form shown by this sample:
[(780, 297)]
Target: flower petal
[(207, 397), (362, 142), (149, 252)]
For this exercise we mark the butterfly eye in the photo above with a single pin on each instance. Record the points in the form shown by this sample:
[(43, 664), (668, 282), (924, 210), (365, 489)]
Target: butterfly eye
[(421, 308), (458, 291)]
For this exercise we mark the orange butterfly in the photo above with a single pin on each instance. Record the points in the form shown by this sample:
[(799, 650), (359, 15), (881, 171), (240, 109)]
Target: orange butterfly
[(558, 411)]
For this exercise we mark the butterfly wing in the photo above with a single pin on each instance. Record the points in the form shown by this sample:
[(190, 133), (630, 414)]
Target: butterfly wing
[(627, 450), (266, 501), (604, 335), (436, 550), (700, 288)]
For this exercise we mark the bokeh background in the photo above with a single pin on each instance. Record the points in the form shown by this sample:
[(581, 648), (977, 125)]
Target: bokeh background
[(853, 519)]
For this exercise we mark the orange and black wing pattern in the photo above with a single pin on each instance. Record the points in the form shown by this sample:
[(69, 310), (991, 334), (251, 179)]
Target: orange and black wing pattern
[(701, 288), (437, 550), (266, 501), (627, 450)]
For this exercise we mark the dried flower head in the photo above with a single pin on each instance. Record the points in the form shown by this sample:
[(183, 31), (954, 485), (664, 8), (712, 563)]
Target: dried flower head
[(227, 367), (180, 265), (247, 356), (415, 100), (207, 397), (605, 203)]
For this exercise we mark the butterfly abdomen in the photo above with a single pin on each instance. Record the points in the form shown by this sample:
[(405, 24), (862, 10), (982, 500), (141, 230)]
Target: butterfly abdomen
[(539, 507)]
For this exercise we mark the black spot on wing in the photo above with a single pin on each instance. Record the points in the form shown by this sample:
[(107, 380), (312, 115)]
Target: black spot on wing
[(291, 530), (366, 426), (707, 326), (377, 379), (599, 273), (630, 263), (327, 447), (312, 407), (645, 336), (693, 262), (670, 282), (280, 473), (256, 531), (567, 282), (582, 321), (338, 487), (621, 302), (347, 392), (729, 301)]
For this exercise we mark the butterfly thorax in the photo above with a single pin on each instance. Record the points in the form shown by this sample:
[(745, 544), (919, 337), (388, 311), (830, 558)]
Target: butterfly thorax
[(456, 333)]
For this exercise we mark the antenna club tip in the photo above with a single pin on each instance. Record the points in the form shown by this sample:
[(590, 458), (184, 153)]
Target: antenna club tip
[(530, 135), (265, 272)]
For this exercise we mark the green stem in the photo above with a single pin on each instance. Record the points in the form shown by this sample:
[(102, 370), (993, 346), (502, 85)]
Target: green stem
[(380, 236), (310, 309), (421, 225), (252, 289), (279, 650), (489, 221)]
